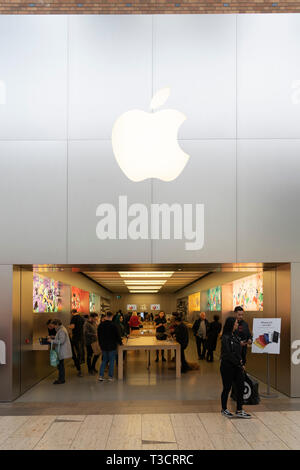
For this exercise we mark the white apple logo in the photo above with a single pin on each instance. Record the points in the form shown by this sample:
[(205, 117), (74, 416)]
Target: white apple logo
[(145, 144)]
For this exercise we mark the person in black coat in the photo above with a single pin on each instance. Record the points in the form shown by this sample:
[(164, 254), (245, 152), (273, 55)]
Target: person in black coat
[(232, 369), (214, 330), (243, 332), (109, 337), (182, 337), (200, 330)]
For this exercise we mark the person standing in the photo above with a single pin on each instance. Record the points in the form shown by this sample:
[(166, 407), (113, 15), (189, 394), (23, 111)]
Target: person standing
[(182, 337), (91, 342), (200, 329), (76, 326), (160, 323), (134, 322), (109, 338), (214, 330), (232, 369), (243, 332), (62, 347)]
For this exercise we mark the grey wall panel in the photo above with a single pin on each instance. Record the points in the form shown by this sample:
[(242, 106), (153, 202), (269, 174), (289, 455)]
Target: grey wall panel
[(208, 178), (268, 194), (95, 178), (195, 55), (110, 61), (33, 66), (268, 74), (33, 205)]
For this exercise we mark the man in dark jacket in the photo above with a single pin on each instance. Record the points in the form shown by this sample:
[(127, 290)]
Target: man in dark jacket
[(109, 337), (76, 326), (243, 332), (182, 337), (200, 330), (214, 330)]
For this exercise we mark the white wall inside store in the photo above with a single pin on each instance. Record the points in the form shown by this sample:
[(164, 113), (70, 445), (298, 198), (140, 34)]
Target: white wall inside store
[(167, 301)]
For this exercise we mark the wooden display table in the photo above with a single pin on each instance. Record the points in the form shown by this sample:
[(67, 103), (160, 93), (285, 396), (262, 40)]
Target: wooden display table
[(149, 331), (148, 343)]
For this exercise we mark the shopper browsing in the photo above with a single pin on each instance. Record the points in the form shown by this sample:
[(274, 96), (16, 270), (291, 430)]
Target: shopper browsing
[(76, 326), (232, 369), (243, 332), (214, 330), (134, 322), (91, 342), (109, 338), (62, 347), (182, 337), (160, 323), (200, 329)]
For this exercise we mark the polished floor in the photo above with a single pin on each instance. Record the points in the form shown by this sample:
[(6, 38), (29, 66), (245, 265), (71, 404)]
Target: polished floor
[(266, 430)]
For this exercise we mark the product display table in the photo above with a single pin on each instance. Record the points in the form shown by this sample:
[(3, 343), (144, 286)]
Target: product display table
[(149, 331), (148, 343)]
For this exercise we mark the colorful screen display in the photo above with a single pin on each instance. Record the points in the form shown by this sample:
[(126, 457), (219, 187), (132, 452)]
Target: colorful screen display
[(80, 300), (214, 299), (47, 294), (248, 293), (194, 302), (131, 307), (94, 303)]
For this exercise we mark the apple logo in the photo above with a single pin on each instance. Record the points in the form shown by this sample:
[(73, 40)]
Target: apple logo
[(145, 144)]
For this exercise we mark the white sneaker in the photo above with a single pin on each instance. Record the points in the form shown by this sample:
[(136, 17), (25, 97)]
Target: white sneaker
[(243, 414), (110, 379), (101, 379)]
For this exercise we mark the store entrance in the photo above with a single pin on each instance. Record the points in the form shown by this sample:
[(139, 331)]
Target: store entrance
[(142, 291)]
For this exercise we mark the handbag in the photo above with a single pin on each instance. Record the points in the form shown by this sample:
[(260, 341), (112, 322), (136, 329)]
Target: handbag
[(96, 348), (54, 359)]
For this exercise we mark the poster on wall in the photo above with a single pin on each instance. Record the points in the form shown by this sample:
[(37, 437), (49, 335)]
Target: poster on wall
[(94, 303), (143, 308), (80, 300), (248, 293), (47, 294), (194, 302), (266, 335), (214, 299), (131, 308), (155, 307)]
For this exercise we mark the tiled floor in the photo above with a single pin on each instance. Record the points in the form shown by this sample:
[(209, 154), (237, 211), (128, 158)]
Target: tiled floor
[(191, 431)]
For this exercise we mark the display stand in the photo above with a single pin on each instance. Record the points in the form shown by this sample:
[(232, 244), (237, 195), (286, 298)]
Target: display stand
[(268, 394)]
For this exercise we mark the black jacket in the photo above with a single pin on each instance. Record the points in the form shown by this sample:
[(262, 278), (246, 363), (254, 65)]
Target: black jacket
[(197, 324), (109, 336), (182, 335), (213, 333), (231, 350)]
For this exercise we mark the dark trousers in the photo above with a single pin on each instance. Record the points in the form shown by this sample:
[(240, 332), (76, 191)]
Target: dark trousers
[(201, 344), (162, 353), (244, 354), (184, 364), (210, 355), (77, 354), (61, 370), (89, 354), (232, 375)]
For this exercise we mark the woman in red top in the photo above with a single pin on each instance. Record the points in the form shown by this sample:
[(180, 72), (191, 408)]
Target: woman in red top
[(134, 321)]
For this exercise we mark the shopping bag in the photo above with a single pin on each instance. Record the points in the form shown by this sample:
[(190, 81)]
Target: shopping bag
[(54, 360), (251, 394)]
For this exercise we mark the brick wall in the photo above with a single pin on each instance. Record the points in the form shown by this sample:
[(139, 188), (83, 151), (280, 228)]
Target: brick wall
[(146, 6)]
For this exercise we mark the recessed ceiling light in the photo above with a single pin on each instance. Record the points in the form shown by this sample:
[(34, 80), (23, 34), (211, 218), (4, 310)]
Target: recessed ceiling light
[(143, 291), (141, 282), (145, 273), (144, 288)]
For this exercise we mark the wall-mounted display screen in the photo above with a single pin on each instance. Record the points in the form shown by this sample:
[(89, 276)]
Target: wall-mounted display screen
[(155, 307), (194, 302), (131, 307), (214, 299), (80, 300), (248, 293), (47, 294)]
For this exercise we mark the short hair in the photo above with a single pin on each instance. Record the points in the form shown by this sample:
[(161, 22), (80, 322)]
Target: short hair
[(49, 322), (178, 317), (238, 309), (57, 322), (74, 310), (94, 315), (216, 317), (109, 314)]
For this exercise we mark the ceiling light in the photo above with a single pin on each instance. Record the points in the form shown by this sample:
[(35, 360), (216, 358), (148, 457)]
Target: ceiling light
[(145, 274), (144, 287), (143, 291), (141, 282)]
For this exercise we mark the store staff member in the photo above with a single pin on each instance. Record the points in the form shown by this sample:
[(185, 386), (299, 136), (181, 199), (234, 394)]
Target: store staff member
[(242, 332)]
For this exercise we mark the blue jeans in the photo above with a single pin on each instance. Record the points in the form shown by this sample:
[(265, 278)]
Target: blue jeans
[(108, 357)]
